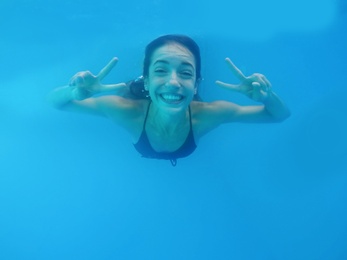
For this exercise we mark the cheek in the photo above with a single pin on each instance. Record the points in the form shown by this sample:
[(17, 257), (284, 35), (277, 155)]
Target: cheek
[(155, 81), (193, 86)]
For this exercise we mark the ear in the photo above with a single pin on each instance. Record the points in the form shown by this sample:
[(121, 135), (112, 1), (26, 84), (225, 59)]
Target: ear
[(145, 83), (197, 83)]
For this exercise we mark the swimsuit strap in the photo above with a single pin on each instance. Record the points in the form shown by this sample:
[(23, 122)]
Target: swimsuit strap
[(144, 147), (147, 112), (144, 122), (190, 119)]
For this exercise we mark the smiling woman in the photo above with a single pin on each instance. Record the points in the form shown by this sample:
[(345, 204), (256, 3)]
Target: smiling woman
[(161, 109)]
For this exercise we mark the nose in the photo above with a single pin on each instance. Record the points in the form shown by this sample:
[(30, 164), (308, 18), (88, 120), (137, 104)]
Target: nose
[(173, 80)]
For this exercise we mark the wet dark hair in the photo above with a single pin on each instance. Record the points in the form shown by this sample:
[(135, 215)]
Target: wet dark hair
[(183, 40), (136, 87)]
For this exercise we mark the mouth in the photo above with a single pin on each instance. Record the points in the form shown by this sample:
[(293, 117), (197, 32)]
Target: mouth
[(171, 98)]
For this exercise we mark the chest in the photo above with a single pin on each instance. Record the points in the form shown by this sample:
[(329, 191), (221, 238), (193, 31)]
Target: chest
[(167, 141)]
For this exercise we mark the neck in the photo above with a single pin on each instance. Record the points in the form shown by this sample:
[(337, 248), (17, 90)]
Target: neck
[(168, 122)]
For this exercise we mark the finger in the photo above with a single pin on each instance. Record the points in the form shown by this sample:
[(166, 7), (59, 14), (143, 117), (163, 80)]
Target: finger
[(261, 80), (112, 87), (75, 80), (79, 78), (237, 72), (103, 73), (262, 84), (258, 89), (256, 93), (227, 85), (256, 86), (268, 83), (83, 79)]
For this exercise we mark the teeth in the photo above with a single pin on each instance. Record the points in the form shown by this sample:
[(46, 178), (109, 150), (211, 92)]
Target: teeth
[(172, 97)]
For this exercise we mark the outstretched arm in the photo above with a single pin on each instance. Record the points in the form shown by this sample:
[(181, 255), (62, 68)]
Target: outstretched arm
[(258, 88), (78, 95)]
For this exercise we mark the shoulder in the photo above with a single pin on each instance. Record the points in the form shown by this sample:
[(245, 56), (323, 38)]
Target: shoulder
[(206, 116), (220, 112), (214, 110), (116, 106), (127, 113)]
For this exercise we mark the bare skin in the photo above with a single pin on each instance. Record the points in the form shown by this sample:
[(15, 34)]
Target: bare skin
[(172, 85)]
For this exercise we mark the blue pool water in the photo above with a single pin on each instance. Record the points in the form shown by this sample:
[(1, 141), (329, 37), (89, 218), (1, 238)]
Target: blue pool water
[(72, 186)]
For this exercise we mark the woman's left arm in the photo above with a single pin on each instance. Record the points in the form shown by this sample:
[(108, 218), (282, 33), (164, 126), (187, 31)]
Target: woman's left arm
[(258, 88)]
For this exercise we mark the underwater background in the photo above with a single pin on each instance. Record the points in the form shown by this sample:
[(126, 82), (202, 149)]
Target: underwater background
[(73, 187)]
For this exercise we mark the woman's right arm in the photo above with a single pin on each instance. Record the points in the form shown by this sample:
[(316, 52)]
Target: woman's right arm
[(78, 96)]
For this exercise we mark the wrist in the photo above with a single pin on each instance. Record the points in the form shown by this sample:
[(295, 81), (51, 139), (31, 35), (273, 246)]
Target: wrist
[(268, 97), (78, 93), (74, 93)]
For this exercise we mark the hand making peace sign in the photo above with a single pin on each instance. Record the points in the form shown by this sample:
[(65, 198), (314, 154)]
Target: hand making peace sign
[(86, 84), (256, 86)]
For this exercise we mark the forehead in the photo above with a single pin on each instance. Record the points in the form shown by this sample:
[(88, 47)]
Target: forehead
[(173, 52)]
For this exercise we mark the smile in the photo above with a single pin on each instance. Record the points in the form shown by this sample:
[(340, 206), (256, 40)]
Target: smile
[(171, 98)]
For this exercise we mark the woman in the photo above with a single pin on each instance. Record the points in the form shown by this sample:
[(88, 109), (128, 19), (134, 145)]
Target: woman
[(162, 110)]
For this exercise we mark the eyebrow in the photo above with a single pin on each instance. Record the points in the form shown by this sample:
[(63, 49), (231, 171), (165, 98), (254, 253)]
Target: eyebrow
[(166, 62)]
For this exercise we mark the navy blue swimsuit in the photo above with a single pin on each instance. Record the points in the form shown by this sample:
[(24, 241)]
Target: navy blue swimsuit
[(144, 147)]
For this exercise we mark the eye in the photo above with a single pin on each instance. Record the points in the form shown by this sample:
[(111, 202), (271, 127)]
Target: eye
[(187, 73), (160, 70)]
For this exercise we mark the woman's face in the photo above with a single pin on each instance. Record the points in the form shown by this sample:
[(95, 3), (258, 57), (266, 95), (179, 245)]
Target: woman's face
[(171, 79)]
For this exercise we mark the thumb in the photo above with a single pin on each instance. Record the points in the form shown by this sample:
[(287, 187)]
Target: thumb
[(257, 95), (227, 85)]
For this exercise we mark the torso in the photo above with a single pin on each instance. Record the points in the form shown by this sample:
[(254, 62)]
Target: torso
[(160, 140), (154, 142)]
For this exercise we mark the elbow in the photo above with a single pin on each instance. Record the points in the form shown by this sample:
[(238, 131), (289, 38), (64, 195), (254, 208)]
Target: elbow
[(282, 117), (52, 102), (58, 99)]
